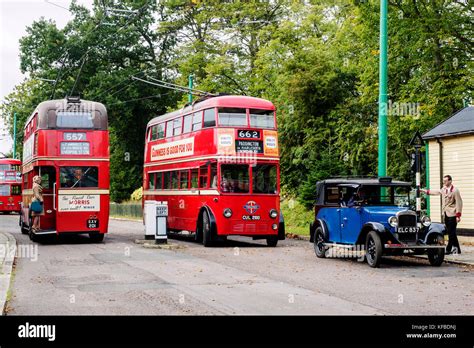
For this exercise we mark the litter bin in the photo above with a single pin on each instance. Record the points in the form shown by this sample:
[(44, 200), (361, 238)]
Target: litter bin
[(156, 214)]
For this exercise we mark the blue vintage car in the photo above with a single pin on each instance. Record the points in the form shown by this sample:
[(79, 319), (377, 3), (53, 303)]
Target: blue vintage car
[(372, 216)]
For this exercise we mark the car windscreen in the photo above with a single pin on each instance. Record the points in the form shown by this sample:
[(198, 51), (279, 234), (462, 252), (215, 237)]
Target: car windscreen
[(383, 195)]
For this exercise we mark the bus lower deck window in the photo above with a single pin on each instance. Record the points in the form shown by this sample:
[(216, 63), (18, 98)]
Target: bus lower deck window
[(183, 179), (16, 190), (4, 190), (174, 179), (194, 177), (166, 180), (151, 181), (264, 177), (159, 181), (235, 178), (74, 177)]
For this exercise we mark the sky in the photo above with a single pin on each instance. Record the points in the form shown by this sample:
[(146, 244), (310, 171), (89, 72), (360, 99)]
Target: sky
[(15, 16)]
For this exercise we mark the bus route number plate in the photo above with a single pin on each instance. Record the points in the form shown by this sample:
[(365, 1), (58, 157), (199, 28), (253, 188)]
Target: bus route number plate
[(93, 223)]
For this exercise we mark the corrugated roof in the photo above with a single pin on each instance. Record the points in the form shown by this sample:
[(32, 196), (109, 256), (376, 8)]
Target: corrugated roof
[(462, 122)]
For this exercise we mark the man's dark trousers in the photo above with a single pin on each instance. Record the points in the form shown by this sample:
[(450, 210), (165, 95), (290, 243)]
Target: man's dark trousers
[(451, 224)]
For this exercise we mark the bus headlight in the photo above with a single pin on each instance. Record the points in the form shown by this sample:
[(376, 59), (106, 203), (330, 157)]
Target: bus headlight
[(393, 221), (426, 220), (273, 213), (227, 212)]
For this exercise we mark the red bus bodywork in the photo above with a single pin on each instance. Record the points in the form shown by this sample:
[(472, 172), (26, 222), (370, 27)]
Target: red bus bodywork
[(10, 185), (209, 168), (66, 142)]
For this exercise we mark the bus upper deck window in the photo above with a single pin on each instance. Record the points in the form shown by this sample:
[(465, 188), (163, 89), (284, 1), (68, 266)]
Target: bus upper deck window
[(232, 117), (262, 118), (160, 131), (197, 121), (67, 119), (188, 122), (209, 118), (169, 129), (177, 126)]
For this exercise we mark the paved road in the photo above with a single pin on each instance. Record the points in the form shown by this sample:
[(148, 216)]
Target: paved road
[(74, 276)]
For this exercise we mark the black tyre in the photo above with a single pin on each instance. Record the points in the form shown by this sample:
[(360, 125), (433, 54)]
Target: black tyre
[(319, 248), (373, 249), (198, 234), (436, 256), (97, 237), (23, 227), (206, 229), (272, 241)]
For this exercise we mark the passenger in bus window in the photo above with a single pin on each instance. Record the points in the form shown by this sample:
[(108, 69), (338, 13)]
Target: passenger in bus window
[(225, 184), (214, 181), (78, 175), (37, 197)]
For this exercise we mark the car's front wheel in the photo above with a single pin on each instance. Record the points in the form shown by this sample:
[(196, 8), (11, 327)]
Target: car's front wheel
[(319, 248), (436, 256), (373, 249)]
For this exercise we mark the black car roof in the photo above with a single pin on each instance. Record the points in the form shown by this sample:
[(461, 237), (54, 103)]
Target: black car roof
[(363, 181)]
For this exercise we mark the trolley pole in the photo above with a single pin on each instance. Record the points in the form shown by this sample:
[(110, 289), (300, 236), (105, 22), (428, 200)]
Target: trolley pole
[(190, 85), (14, 135), (383, 77)]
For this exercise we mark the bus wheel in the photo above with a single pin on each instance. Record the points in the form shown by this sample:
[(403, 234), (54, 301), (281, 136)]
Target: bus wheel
[(206, 229), (198, 234), (272, 241), (96, 237), (23, 227)]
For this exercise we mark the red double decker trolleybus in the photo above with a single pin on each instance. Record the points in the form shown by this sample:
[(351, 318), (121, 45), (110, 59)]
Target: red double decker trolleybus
[(66, 142), (216, 163), (10, 185)]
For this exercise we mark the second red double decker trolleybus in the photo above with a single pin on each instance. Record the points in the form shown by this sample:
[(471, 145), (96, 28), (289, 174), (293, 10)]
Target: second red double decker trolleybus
[(10, 185), (66, 143), (216, 163)]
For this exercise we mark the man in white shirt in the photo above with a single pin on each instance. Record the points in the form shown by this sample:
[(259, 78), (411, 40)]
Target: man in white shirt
[(451, 203)]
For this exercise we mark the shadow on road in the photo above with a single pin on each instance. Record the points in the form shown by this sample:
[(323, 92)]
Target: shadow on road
[(229, 243)]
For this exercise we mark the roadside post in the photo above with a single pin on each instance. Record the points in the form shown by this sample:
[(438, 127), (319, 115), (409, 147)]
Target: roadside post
[(161, 210), (417, 142), (156, 215)]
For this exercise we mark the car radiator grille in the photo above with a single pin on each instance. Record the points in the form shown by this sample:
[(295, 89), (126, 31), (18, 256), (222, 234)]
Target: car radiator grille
[(407, 221)]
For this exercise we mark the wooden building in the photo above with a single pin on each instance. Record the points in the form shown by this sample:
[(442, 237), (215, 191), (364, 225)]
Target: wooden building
[(450, 151)]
